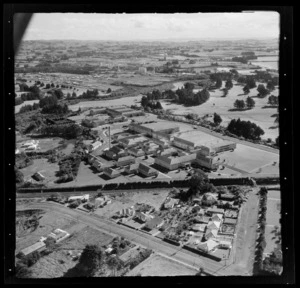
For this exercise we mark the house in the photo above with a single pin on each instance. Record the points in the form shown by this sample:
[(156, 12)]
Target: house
[(80, 197), (217, 217), (214, 210), (38, 176), (225, 244), (136, 151), (143, 216), (58, 235), (230, 221), (213, 225), (115, 153), (227, 197), (93, 146), (130, 255), (211, 233), (170, 203), (202, 219), (155, 222), (111, 173), (199, 227), (35, 247), (101, 201), (147, 170), (133, 168), (208, 246), (125, 161)]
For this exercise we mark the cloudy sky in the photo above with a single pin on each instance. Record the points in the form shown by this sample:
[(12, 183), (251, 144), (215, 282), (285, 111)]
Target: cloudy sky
[(81, 26)]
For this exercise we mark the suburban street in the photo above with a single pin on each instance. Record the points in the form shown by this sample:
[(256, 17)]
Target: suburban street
[(137, 237)]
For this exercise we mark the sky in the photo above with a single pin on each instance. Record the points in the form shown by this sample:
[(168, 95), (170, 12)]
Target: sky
[(123, 27)]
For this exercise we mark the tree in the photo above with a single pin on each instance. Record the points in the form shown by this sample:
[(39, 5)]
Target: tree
[(144, 101), (250, 102), (68, 95), (58, 93), (114, 263), (225, 91), (218, 83), (270, 86), (158, 105), (91, 259), (250, 81), (262, 91), (50, 243), (57, 86), (273, 100), (246, 89), (108, 90), (74, 95), (48, 86), (52, 85), (198, 179), (189, 86), (239, 104), (277, 141), (217, 119), (229, 84)]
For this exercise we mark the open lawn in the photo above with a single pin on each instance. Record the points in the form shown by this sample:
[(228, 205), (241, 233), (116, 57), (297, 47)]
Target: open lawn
[(84, 236), (221, 105), (157, 265), (248, 159), (46, 168)]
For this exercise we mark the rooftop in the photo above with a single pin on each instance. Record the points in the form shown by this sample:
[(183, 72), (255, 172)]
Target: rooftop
[(33, 248), (160, 126), (199, 138)]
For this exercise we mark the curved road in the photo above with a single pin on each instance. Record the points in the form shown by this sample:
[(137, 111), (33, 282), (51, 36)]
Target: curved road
[(138, 237)]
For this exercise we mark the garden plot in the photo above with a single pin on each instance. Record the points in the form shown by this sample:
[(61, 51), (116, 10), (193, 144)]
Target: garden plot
[(272, 219), (85, 236), (57, 263), (157, 265)]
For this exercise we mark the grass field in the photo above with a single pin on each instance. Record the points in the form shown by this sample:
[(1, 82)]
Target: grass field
[(250, 159), (222, 105), (157, 265), (46, 168)]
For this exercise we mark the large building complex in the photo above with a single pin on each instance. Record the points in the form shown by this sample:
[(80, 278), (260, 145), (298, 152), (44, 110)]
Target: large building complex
[(156, 129), (209, 145), (123, 111)]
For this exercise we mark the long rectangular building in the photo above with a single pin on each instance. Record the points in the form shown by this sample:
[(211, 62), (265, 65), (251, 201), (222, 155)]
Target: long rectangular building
[(153, 129), (208, 144)]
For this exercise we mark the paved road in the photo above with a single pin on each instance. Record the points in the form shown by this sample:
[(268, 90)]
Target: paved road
[(138, 237)]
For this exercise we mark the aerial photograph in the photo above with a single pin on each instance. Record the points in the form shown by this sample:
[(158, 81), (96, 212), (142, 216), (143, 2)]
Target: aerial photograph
[(147, 145)]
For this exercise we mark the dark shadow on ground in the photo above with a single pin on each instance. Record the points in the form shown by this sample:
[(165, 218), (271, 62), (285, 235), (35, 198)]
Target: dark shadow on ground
[(104, 177), (274, 115), (269, 106), (236, 109), (159, 168), (273, 127)]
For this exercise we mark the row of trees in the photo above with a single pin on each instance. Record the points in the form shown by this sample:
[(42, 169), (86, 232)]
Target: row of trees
[(89, 94), (245, 129), (260, 241)]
